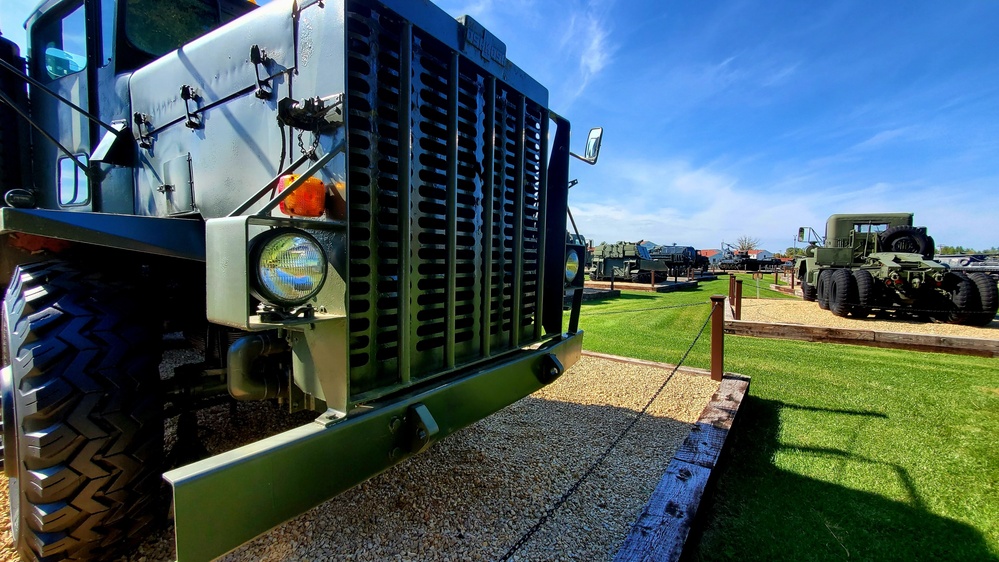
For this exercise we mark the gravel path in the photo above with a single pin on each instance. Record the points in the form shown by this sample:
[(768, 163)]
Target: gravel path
[(789, 311), (474, 494)]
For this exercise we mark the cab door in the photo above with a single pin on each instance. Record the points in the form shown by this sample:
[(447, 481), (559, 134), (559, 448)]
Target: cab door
[(59, 59)]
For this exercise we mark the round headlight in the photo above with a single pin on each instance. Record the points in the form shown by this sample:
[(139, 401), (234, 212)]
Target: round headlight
[(289, 267), (571, 265)]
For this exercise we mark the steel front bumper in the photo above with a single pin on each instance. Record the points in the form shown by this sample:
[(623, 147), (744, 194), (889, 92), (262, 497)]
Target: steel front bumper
[(226, 500)]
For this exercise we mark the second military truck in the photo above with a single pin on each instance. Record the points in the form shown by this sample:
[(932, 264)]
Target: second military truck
[(881, 263)]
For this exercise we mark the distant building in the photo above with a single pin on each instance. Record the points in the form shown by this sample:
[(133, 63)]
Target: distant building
[(761, 254), (714, 256)]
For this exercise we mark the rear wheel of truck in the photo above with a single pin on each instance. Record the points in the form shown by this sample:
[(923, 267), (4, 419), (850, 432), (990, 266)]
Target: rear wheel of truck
[(822, 289), (964, 298), (988, 299), (83, 424), (808, 291), (842, 290), (866, 293)]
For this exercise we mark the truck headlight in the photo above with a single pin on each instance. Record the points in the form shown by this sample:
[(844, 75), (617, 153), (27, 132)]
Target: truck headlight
[(288, 267), (571, 266)]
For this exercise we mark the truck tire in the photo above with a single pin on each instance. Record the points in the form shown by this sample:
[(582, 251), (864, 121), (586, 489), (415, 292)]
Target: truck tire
[(866, 293), (808, 292), (964, 298), (822, 289), (83, 423), (842, 290), (904, 238), (988, 299)]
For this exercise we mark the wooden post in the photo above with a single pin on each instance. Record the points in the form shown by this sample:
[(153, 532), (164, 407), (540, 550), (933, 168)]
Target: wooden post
[(653, 278), (731, 287), (738, 299), (777, 278), (792, 280), (717, 336)]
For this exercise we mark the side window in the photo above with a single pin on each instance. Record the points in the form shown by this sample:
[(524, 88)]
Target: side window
[(61, 45), (865, 227), (74, 187)]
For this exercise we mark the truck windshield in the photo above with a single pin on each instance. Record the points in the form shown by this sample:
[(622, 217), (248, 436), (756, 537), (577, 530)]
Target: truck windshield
[(160, 26), (866, 227)]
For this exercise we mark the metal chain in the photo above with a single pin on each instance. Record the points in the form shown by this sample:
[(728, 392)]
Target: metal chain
[(315, 143), (579, 482)]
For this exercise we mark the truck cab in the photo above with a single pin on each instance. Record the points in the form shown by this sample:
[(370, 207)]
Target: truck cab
[(352, 207)]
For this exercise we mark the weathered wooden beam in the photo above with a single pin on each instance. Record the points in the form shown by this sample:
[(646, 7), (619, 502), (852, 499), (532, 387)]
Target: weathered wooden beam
[(663, 526), (979, 347)]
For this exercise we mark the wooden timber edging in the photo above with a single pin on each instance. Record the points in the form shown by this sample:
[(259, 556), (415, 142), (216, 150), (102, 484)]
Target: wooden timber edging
[(660, 286), (979, 347), (664, 524)]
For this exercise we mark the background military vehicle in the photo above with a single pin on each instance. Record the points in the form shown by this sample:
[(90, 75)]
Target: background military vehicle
[(880, 263), (679, 260), (627, 261), (735, 259), (352, 207)]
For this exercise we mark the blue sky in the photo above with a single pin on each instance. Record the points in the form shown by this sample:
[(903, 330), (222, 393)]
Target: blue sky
[(734, 118)]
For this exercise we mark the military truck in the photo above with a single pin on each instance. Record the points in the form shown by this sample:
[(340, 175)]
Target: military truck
[(881, 263), (350, 207), (679, 259), (734, 259), (627, 261)]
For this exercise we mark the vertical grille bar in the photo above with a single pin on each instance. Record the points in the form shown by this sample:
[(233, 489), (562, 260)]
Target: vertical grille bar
[(405, 205), (452, 211), (488, 192), (446, 194), (518, 230), (542, 223)]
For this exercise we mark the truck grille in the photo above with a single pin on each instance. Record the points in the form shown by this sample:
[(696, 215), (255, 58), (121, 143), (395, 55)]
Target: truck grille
[(446, 175)]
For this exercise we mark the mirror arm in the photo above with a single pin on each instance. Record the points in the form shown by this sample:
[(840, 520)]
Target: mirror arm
[(583, 158)]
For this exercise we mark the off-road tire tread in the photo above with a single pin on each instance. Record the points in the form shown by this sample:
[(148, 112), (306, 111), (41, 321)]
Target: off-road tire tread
[(808, 292), (988, 299), (822, 289), (964, 299), (866, 293), (89, 427), (896, 234), (842, 290)]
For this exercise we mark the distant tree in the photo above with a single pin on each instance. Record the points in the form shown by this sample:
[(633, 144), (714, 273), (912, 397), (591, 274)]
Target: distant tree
[(943, 249), (793, 252), (746, 243)]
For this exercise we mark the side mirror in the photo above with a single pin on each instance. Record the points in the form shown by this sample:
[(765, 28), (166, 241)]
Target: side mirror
[(801, 235), (592, 150)]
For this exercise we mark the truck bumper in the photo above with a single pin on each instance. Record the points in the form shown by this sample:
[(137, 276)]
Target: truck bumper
[(223, 501)]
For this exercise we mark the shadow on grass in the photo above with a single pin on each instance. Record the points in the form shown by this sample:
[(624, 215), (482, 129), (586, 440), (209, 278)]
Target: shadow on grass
[(757, 511), (623, 297)]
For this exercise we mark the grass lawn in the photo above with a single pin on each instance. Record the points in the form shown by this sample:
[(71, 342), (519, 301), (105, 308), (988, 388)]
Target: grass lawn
[(840, 452)]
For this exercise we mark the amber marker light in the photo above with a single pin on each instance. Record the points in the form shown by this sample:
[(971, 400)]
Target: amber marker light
[(309, 200)]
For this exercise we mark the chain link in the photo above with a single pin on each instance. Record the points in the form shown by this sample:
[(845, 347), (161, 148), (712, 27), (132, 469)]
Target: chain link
[(579, 482), (315, 143)]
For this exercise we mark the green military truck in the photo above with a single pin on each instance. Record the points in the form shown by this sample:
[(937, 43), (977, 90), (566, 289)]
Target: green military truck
[(881, 263), (353, 207), (627, 261)]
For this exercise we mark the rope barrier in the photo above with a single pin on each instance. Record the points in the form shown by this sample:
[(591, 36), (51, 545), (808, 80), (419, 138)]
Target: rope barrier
[(610, 448)]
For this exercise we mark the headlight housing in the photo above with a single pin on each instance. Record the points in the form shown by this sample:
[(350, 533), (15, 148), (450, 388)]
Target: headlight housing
[(571, 265), (288, 267)]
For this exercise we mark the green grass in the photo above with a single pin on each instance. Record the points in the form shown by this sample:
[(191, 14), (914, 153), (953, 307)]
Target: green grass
[(841, 452)]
